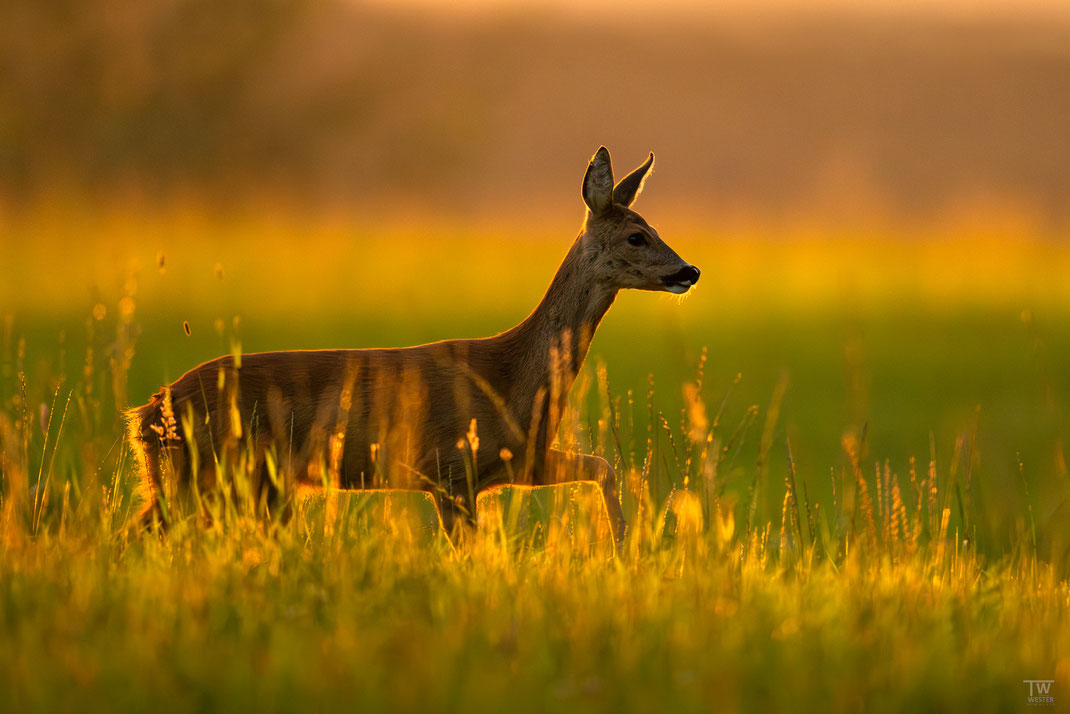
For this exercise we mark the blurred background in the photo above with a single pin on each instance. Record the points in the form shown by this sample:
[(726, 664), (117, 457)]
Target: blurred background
[(761, 112), (876, 194)]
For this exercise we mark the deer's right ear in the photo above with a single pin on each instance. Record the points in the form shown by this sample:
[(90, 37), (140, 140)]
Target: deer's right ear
[(598, 182)]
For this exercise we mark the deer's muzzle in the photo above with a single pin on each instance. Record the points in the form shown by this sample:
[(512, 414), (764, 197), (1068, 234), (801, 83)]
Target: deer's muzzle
[(682, 280)]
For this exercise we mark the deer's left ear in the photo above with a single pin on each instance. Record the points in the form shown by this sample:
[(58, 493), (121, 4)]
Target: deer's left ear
[(631, 185), (598, 182)]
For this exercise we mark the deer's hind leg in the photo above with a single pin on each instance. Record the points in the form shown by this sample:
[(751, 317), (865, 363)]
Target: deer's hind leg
[(149, 487), (561, 466), (162, 471), (160, 458)]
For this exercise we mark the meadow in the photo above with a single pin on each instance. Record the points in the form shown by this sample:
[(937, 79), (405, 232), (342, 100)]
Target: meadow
[(843, 459)]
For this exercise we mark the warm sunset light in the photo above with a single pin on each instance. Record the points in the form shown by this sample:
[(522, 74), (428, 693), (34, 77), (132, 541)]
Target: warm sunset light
[(534, 356)]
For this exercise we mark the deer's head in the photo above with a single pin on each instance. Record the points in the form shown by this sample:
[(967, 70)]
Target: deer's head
[(622, 249)]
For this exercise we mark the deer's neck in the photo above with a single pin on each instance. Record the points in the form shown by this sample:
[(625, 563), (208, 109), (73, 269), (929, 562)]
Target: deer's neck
[(546, 350)]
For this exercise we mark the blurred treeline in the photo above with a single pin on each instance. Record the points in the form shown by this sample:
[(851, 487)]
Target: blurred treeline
[(335, 101)]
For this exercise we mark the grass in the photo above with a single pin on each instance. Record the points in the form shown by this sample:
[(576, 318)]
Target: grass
[(844, 479)]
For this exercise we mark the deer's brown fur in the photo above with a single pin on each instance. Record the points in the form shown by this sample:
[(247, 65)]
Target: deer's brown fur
[(403, 417)]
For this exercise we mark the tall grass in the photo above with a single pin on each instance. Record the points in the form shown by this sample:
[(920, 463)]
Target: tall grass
[(871, 600), (761, 570)]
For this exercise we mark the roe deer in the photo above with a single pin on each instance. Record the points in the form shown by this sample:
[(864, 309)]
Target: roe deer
[(451, 417)]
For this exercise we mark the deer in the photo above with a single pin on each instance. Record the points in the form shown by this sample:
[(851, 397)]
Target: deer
[(451, 417)]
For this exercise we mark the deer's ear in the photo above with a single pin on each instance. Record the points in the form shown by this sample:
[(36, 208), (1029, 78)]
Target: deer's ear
[(631, 185), (598, 182)]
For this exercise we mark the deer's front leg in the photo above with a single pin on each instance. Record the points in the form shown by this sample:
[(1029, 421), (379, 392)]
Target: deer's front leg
[(561, 466)]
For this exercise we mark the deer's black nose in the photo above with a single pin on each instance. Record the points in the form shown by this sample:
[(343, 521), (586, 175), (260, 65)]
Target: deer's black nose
[(687, 275)]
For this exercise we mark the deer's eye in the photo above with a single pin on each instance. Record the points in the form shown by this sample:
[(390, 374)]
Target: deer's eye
[(637, 239)]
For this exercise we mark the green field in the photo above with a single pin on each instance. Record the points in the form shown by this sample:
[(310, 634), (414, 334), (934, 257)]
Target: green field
[(910, 554)]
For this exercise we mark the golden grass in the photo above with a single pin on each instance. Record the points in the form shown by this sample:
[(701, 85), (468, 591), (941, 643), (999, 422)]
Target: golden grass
[(376, 265), (744, 583)]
